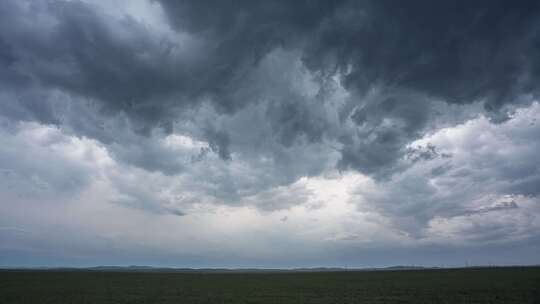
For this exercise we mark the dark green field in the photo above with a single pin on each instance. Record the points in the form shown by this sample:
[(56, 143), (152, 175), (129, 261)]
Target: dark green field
[(487, 285)]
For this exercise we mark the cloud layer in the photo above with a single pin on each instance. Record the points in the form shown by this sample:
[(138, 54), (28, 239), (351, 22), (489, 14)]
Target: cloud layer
[(338, 126)]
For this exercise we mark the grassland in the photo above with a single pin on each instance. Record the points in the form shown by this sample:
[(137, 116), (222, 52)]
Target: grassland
[(482, 285)]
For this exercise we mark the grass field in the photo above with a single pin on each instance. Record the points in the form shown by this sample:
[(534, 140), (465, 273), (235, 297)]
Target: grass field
[(481, 285)]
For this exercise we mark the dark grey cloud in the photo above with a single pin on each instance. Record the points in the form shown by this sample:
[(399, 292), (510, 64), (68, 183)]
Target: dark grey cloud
[(78, 49), (285, 89), (501, 206), (458, 52), (219, 142)]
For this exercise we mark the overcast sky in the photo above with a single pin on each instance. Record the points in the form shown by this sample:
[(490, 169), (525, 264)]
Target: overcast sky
[(269, 133)]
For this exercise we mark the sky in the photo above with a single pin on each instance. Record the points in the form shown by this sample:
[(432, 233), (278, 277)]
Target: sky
[(270, 134)]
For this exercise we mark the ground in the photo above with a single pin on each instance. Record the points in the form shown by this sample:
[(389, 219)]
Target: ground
[(471, 285)]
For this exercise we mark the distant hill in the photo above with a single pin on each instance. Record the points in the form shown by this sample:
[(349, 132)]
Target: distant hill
[(137, 268)]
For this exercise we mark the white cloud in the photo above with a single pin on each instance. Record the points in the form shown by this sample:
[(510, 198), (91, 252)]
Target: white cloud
[(480, 191)]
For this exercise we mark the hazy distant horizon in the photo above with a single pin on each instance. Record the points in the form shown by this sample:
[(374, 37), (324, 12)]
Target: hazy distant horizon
[(144, 268)]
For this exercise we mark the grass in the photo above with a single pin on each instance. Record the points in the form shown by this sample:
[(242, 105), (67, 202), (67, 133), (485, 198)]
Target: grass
[(480, 285)]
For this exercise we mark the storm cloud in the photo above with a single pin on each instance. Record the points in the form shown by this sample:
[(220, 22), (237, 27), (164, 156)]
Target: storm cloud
[(418, 119)]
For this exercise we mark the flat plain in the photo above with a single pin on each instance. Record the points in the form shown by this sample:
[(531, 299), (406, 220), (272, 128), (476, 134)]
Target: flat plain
[(467, 285)]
